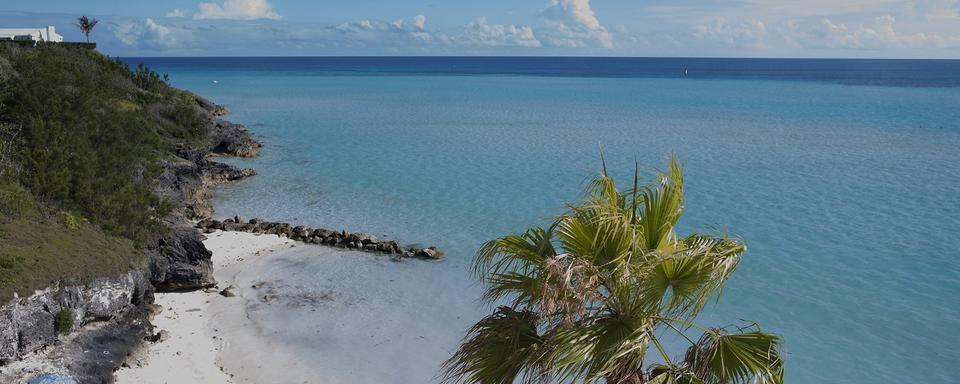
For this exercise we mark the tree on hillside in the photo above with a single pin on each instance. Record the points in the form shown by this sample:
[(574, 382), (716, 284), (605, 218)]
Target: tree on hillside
[(593, 297), (86, 25)]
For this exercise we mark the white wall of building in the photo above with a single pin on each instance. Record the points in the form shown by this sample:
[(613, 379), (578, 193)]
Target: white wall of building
[(48, 33)]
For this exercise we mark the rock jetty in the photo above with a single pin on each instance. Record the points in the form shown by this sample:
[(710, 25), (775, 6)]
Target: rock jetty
[(321, 236)]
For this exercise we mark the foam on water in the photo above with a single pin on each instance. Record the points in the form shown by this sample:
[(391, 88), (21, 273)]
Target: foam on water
[(848, 198)]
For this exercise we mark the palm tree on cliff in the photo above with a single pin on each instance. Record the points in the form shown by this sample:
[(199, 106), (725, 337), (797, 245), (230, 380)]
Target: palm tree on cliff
[(592, 297), (86, 25)]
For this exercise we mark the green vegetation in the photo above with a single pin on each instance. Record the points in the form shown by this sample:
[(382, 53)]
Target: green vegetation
[(16, 203), (591, 296), (81, 140), (63, 322), (91, 133), (37, 252)]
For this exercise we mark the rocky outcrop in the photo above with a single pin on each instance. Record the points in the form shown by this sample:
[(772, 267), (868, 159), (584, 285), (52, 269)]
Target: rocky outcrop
[(110, 343), (186, 180), (321, 236), (179, 260), (212, 108), (29, 324), (232, 139), (225, 137)]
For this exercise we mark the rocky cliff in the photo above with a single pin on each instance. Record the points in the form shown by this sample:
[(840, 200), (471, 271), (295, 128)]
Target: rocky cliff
[(179, 261), (110, 315), (41, 322)]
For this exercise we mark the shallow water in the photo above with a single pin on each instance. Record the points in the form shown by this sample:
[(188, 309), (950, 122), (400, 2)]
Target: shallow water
[(848, 196), (323, 315)]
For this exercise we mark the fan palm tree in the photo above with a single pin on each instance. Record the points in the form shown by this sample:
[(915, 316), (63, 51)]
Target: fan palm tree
[(592, 297), (86, 25)]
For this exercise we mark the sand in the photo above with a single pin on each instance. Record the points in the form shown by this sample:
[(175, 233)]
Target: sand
[(309, 314), (190, 348)]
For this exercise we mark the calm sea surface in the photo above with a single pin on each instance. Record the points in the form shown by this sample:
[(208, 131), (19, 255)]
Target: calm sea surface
[(843, 176)]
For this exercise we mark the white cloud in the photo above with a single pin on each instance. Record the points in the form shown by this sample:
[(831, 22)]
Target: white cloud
[(572, 23), (126, 33), (156, 29), (482, 33), (417, 25), (420, 21), (741, 34), (362, 25), (176, 13), (150, 34), (237, 10), (879, 34), (365, 32)]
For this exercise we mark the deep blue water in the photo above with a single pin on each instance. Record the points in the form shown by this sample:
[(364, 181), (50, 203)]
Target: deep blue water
[(842, 176), (907, 73)]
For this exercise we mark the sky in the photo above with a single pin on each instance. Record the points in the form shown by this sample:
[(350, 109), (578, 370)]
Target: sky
[(646, 28)]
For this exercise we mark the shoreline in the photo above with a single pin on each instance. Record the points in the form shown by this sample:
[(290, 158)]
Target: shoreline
[(303, 313), (190, 346)]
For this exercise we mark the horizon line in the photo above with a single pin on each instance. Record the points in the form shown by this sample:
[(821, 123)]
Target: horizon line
[(535, 57)]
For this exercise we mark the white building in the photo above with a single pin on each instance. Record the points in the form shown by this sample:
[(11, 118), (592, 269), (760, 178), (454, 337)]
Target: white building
[(48, 34)]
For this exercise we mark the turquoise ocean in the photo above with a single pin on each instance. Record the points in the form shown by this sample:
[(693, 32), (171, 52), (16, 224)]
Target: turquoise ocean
[(843, 177)]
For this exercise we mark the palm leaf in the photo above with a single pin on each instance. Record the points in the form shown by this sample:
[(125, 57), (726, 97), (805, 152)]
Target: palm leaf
[(737, 358), (499, 349), (592, 351)]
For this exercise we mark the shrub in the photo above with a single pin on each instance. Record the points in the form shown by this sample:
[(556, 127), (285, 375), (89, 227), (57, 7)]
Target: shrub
[(9, 143), (16, 202), (8, 262), (70, 221), (63, 322), (91, 134)]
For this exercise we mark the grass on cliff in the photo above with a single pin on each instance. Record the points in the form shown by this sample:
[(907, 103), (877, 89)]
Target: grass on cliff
[(39, 246), (82, 137)]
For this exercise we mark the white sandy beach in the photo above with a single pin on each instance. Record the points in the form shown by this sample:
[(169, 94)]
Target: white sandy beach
[(307, 314), (190, 348)]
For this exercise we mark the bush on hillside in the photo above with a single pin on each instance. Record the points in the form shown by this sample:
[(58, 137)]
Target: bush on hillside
[(92, 133), (63, 322), (15, 202)]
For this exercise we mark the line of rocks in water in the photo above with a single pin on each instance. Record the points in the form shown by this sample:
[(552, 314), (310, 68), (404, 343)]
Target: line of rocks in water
[(320, 236)]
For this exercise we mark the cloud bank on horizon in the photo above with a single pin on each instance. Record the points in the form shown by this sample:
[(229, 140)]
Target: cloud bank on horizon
[(750, 28)]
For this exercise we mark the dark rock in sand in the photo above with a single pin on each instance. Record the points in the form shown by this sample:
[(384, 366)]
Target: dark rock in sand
[(181, 261), (110, 344), (153, 338), (228, 292)]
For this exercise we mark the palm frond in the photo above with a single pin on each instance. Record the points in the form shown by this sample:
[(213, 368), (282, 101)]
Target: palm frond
[(499, 349), (661, 208), (662, 374), (514, 253), (606, 345), (677, 285), (737, 358)]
